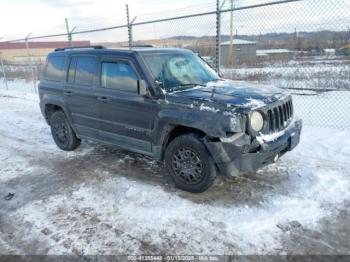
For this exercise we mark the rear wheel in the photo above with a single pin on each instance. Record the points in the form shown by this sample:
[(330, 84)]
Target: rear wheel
[(62, 132), (189, 164)]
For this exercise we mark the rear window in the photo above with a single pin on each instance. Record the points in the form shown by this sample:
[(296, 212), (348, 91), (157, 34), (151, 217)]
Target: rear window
[(82, 70), (55, 68)]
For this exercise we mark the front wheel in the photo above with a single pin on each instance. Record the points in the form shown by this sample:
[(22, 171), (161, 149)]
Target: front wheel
[(62, 132), (189, 164)]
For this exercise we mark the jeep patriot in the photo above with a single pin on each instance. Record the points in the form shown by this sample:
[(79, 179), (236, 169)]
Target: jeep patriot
[(168, 104)]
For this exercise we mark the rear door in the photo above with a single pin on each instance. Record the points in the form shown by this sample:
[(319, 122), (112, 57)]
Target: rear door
[(125, 115), (80, 93)]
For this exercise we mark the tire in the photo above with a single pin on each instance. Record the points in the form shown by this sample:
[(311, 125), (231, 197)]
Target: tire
[(62, 132), (188, 162)]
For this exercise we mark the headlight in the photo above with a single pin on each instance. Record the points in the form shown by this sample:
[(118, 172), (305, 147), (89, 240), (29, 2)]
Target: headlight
[(256, 121)]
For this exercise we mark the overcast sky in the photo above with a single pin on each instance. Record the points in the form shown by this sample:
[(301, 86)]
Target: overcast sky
[(20, 17)]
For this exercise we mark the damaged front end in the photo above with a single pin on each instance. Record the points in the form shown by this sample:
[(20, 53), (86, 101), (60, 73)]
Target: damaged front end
[(248, 151)]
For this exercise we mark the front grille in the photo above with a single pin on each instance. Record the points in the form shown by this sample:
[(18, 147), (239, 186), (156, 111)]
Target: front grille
[(279, 116)]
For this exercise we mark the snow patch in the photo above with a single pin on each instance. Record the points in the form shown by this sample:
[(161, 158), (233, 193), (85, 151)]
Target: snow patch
[(254, 103), (208, 108), (269, 137)]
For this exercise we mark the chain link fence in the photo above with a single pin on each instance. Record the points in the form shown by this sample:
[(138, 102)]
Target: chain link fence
[(302, 46), (194, 33), (303, 53)]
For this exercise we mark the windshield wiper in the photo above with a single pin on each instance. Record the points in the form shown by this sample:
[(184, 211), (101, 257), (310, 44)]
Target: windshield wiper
[(185, 86), (191, 84), (217, 79)]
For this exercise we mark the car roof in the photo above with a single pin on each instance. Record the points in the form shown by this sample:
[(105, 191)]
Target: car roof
[(120, 50)]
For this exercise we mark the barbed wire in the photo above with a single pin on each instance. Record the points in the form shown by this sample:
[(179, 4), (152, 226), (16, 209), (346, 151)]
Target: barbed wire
[(90, 29)]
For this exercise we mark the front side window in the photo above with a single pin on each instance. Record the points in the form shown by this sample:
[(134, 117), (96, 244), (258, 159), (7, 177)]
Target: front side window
[(55, 68), (174, 71), (85, 71), (118, 75)]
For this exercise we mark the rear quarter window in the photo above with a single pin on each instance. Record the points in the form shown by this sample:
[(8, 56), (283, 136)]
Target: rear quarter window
[(55, 68)]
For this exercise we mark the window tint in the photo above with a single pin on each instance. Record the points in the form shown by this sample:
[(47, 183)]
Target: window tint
[(118, 75), (85, 70), (55, 68)]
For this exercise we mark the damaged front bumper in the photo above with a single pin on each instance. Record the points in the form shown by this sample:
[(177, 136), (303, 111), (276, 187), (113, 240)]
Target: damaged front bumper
[(245, 155)]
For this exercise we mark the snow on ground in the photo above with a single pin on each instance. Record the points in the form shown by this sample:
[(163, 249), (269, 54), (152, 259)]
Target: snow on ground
[(326, 74), (19, 86), (329, 109), (99, 200), (146, 213)]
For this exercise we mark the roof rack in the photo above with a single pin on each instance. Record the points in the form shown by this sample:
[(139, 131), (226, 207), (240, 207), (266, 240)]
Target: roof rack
[(82, 47), (142, 46), (139, 46)]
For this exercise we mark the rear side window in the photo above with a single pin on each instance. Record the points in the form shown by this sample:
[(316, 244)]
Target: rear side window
[(82, 70), (55, 68), (119, 75)]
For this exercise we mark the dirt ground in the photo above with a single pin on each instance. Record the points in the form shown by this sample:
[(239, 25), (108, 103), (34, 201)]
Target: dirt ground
[(101, 200)]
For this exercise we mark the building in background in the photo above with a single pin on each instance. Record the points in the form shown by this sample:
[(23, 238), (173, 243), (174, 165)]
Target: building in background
[(244, 52), (329, 52), (274, 55), (16, 52)]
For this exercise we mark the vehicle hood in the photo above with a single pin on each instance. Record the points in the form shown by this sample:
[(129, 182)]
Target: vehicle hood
[(231, 93)]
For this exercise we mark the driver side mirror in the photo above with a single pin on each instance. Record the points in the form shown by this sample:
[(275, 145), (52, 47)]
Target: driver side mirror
[(142, 88)]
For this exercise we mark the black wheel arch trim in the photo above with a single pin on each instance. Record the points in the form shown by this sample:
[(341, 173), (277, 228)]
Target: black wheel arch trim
[(56, 100)]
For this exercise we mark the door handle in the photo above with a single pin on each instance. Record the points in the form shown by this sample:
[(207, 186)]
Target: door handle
[(68, 93), (103, 99)]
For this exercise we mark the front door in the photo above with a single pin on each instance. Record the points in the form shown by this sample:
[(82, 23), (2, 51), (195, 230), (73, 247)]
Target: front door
[(125, 115)]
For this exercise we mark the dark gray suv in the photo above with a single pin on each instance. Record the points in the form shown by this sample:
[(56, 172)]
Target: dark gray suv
[(167, 104)]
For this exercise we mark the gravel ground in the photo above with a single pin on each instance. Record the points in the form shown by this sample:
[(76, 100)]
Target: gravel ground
[(101, 200)]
